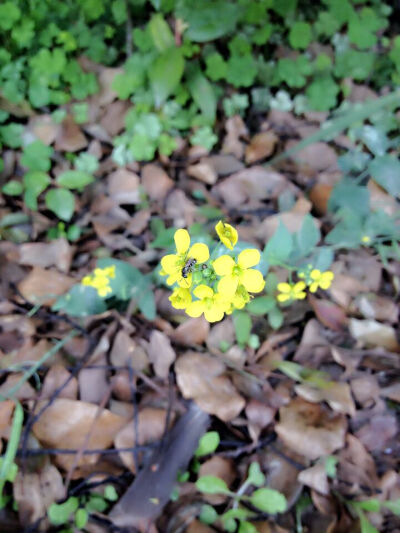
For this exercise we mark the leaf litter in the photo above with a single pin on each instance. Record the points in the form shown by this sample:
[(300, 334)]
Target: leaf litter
[(114, 401)]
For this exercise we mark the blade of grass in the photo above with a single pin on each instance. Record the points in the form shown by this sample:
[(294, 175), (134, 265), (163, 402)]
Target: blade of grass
[(12, 448)]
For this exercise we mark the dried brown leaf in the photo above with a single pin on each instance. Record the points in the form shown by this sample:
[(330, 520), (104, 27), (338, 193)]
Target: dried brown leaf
[(123, 186), (161, 353), (222, 468), (55, 378), (46, 254), (70, 137), (126, 351), (43, 286), (192, 331), (156, 182), (315, 477), (203, 172), (373, 333), (337, 396), (261, 146)]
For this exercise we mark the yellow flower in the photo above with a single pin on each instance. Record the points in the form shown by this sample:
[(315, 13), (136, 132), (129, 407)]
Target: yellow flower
[(291, 291), (227, 234), (212, 304), (240, 298), (320, 279), (100, 280), (365, 239), (173, 264), (241, 273), (180, 298)]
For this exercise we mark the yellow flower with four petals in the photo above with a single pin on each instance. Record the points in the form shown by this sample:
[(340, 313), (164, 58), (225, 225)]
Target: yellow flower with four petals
[(180, 298), (320, 279), (291, 291), (227, 234), (212, 304), (173, 264), (240, 273), (100, 280)]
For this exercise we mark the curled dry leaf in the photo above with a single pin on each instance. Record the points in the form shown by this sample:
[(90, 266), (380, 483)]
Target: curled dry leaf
[(222, 468), (44, 286), (192, 331), (203, 172), (123, 186), (161, 353), (55, 378), (67, 424), (314, 347), (337, 395), (261, 146), (329, 314), (377, 307), (200, 377), (156, 182), (259, 416), (319, 196), (46, 254), (366, 389), (315, 477), (34, 492), (150, 427), (356, 466), (311, 429), (373, 333)]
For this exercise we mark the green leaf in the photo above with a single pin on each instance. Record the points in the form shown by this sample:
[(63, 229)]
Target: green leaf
[(212, 485), (204, 137), (96, 503), (375, 139), (13, 188), (308, 236), (255, 476), (86, 162), (59, 513), (393, 506), (279, 247), (74, 179), (11, 135), (79, 301), (203, 94), (261, 306), (81, 518), (354, 64), (247, 527), (208, 443), (300, 35), (322, 93), (385, 170), (372, 505), (35, 183), (216, 67), (165, 74), (61, 202), (242, 324), (160, 33), (294, 72), (208, 19), (284, 7), (36, 156), (275, 318), (242, 70), (208, 515), (343, 195), (269, 500), (366, 526), (110, 493), (9, 14), (330, 466)]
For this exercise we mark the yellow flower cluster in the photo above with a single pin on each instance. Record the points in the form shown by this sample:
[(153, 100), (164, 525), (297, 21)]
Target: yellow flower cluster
[(100, 280), (212, 287), (314, 279)]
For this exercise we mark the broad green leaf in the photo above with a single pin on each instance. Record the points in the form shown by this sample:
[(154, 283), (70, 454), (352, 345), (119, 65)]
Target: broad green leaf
[(261, 305), (371, 506), (308, 236), (238, 513), (385, 170), (96, 503), (161, 33), (147, 303), (208, 19), (279, 247), (275, 318), (80, 300), (165, 74), (110, 493), (61, 202), (212, 485), (300, 35), (330, 466), (208, 515), (242, 324), (74, 179), (11, 135), (35, 183), (13, 188), (81, 518), (203, 94), (375, 139), (255, 476), (269, 500), (204, 137), (36, 156), (247, 527), (9, 14), (208, 443), (322, 93), (59, 513), (344, 195)]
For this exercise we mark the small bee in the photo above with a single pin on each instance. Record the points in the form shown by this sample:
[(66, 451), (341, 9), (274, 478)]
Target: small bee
[(187, 269)]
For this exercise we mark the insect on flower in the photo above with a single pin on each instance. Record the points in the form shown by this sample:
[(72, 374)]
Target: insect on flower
[(190, 263)]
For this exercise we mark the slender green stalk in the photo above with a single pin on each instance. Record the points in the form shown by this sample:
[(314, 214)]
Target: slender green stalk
[(12, 448)]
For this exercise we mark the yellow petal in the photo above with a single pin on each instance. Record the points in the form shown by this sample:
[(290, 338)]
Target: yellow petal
[(300, 295), (173, 278), (314, 286), (182, 240), (284, 287), (223, 265), (214, 314), (203, 291), (227, 234), (199, 251), (227, 285), (300, 286), (283, 297), (249, 258), (185, 283), (253, 280), (170, 263), (315, 274), (195, 309), (325, 283)]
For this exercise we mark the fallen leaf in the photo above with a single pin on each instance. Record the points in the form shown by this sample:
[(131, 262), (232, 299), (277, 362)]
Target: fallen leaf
[(365, 389), (126, 352), (223, 164), (203, 172), (67, 423), (6, 413), (222, 333), (377, 307), (315, 477), (44, 286), (376, 434), (336, 395), (392, 392), (44, 128), (356, 468), (149, 427), (113, 120), (192, 331), (317, 156), (373, 333), (179, 208), (46, 254), (70, 137), (259, 416), (24, 392), (139, 222), (161, 353), (314, 348), (261, 146), (156, 182), (34, 492), (319, 196), (235, 130), (200, 377), (329, 314), (55, 378), (123, 186), (311, 429), (105, 78), (223, 469)]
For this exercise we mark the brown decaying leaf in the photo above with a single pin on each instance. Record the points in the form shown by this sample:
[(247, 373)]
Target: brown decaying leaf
[(24, 392), (318, 156), (222, 468), (44, 128), (337, 395), (311, 429), (151, 425), (55, 378), (70, 137), (377, 307), (44, 286), (113, 119), (42, 254), (259, 416), (161, 353), (125, 351), (204, 172), (373, 333), (138, 223), (66, 423), (123, 186), (315, 477), (191, 332), (235, 130), (223, 164), (356, 466), (331, 315), (365, 389), (6, 412), (156, 182), (377, 433), (34, 492), (319, 196), (200, 377), (261, 146), (221, 332), (180, 209)]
